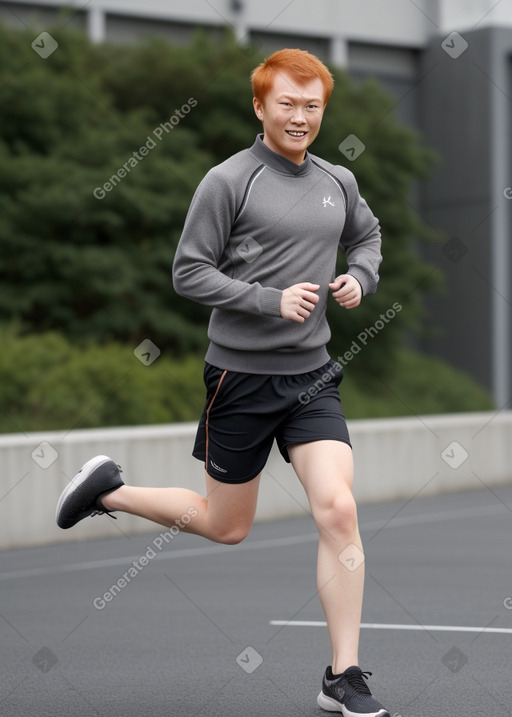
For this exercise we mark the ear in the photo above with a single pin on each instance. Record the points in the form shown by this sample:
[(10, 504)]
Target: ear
[(258, 108)]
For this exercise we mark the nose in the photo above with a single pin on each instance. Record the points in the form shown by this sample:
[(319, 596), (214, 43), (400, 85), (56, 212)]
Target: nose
[(298, 116)]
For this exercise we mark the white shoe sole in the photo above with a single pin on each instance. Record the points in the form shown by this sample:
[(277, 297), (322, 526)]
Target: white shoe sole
[(330, 705)]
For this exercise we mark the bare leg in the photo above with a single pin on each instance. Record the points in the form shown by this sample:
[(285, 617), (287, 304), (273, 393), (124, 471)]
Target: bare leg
[(225, 515), (325, 468)]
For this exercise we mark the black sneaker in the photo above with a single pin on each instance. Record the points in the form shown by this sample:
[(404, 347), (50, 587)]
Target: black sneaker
[(349, 694), (80, 498)]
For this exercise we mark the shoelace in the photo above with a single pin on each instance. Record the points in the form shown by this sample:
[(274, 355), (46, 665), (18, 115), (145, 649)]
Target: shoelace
[(103, 512), (357, 681)]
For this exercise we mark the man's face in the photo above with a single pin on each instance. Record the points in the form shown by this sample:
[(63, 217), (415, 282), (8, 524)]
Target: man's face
[(291, 116)]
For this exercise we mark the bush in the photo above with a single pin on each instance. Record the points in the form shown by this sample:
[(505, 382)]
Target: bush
[(49, 383), (420, 385), (98, 267)]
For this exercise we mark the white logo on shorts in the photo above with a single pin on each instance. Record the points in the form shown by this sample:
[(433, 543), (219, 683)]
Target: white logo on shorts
[(217, 468)]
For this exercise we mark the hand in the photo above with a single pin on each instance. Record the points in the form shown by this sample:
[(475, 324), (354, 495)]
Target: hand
[(347, 291), (298, 301)]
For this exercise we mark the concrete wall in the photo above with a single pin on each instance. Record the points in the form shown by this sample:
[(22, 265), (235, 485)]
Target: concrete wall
[(395, 459)]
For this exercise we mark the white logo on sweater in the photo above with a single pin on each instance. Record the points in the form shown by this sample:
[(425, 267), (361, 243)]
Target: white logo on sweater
[(327, 201)]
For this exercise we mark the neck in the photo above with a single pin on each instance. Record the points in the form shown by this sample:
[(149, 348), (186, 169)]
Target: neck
[(295, 158)]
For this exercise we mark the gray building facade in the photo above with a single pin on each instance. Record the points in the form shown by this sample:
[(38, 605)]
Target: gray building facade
[(466, 114), (448, 63)]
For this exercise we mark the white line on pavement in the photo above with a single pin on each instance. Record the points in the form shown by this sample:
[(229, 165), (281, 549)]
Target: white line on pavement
[(391, 626), (397, 522)]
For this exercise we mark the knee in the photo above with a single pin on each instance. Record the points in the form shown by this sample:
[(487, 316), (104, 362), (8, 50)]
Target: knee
[(232, 535), (340, 515)]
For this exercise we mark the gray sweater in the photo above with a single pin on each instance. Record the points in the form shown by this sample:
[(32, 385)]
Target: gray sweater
[(257, 224)]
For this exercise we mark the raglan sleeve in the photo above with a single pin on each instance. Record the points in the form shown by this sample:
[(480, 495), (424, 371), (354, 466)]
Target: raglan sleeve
[(202, 248), (361, 238)]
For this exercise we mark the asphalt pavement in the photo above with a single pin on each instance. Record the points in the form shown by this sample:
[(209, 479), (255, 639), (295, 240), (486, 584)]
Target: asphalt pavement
[(148, 625)]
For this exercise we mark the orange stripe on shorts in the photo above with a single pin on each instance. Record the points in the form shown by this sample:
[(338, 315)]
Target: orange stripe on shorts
[(208, 413)]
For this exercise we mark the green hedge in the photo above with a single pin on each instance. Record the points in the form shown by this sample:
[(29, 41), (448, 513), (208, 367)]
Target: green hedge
[(49, 383), (420, 385), (95, 264)]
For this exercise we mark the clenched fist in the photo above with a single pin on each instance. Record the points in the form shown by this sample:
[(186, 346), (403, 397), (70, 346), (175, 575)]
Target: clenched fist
[(346, 290), (298, 301)]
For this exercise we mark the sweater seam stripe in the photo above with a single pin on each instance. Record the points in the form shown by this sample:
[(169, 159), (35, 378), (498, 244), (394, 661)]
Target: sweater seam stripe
[(254, 176), (337, 183)]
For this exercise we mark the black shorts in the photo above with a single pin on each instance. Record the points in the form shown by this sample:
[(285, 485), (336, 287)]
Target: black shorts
[(244, 412)]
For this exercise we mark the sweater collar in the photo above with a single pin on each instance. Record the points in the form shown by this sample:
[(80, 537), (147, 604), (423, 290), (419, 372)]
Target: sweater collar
[(277, 161)]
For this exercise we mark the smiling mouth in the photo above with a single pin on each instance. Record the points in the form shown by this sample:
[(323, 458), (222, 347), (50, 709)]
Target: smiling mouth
[(293, 133)]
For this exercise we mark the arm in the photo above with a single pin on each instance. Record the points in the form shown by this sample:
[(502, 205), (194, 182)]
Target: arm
[(202, 249), (361, 240)]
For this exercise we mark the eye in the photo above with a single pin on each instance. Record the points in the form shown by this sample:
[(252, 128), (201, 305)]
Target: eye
[(314, 107), (286, 104)]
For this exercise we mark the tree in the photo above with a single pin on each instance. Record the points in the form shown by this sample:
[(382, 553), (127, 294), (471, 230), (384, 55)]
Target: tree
[(101, 149)]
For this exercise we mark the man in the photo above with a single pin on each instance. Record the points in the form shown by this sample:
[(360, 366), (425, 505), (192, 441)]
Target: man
[(259, 245)]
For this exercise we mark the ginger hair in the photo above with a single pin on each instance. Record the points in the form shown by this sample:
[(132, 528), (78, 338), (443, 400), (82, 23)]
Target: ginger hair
[(301, 65)]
